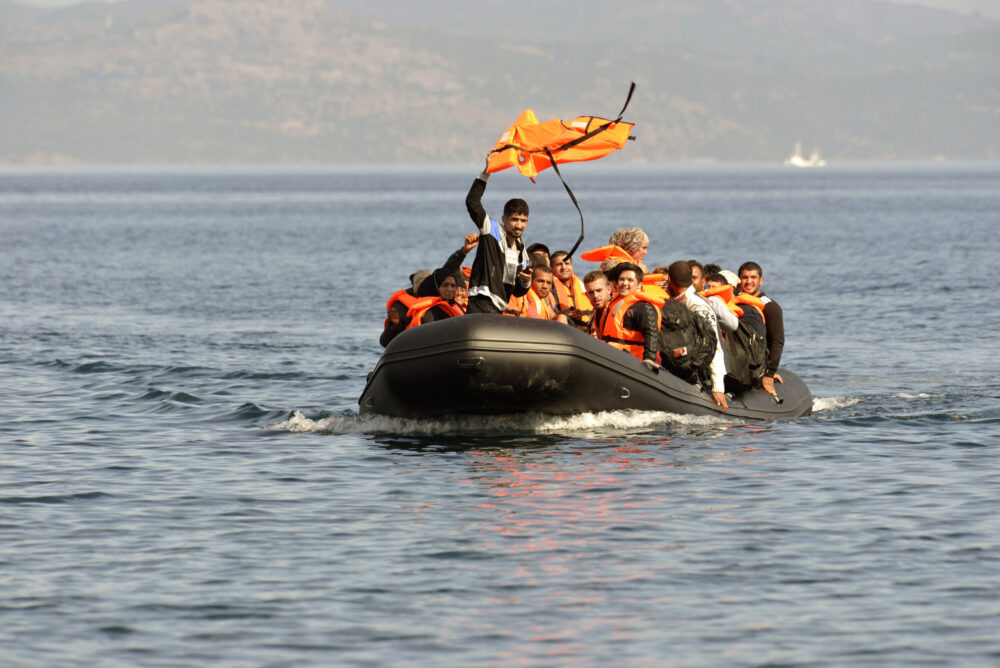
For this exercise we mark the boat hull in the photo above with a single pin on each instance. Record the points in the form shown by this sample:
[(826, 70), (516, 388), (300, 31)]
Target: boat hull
[(490, 365)]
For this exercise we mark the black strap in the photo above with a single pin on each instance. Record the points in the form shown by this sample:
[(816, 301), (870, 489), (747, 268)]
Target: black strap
[(572, 197)]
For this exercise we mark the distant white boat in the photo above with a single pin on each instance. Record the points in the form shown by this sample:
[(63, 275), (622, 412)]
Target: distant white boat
[(798, 160)]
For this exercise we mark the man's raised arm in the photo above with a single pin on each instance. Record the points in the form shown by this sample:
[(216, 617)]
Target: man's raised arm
[(474, 204)]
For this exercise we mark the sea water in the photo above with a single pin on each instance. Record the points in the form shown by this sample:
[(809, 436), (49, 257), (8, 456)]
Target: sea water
[(185, 479)]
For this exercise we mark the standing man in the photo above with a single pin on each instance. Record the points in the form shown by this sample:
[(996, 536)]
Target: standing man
[(500, 269), (751, 278)]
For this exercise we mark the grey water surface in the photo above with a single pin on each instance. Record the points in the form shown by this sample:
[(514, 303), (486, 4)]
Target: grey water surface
[(185, 480)]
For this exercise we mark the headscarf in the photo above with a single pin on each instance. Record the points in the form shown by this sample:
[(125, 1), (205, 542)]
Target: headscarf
[(631, 239), (432, 284)]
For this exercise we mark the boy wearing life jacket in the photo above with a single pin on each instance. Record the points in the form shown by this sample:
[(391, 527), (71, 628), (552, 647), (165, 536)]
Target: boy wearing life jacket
[(631, 322), (680, 289), (500, 268), (751, 279), (570, 291)]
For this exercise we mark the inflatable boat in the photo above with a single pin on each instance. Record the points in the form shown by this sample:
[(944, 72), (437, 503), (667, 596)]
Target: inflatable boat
[(492, 365)]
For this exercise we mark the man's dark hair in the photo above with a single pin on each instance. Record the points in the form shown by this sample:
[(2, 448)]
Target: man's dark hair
[(536, 247), (515, 205), (680, 274), (711, 269), (716, 277), (594, 275), (555, 256), (660, 269), (538, 259), (695, 263), (614, 272), (750, 266), (540, 269)]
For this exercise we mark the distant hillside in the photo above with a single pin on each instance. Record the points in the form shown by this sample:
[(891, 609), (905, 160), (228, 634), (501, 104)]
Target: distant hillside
[(221, 81)]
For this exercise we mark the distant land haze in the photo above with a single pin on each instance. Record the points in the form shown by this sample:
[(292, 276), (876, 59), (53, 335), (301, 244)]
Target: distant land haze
[(290, 81)]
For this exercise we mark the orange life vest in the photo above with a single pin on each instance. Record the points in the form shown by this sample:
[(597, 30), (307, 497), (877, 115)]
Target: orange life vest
[(403, 296), (657, 295), (750, 300), (574, 297), (603, 253), (725, 293), (523, 144), (425, 304), (612, 328)]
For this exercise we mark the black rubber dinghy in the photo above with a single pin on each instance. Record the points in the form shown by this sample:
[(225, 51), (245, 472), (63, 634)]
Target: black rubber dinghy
[(494, 365)]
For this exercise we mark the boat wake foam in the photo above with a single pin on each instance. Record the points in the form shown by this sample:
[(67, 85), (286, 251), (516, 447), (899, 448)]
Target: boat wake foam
[(617, 421), (833, 403)]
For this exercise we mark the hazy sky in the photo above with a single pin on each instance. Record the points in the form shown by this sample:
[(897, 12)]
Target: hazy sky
[(990, 8)]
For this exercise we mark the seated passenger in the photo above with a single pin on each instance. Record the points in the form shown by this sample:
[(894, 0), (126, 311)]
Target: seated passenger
[(680, 289), (634, 241), (745, 347), (631, 321), (397, 307), (721, 297), (539, 303), (437, 293), (697, 275), (751, 280), (536, 252), (570, 291), (462, 291), (598, 294)]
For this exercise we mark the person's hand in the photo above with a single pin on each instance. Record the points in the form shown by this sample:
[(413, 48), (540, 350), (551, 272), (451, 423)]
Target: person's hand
[(394, 318), (651, 365), (720, 400), (767, 382), (524, 276), (471, 241)]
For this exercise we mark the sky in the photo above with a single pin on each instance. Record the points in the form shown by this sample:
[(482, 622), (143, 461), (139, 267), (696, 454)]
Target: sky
[(989, 8)]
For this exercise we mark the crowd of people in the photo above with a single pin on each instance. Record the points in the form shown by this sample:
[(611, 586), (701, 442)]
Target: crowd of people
[(703, 323)]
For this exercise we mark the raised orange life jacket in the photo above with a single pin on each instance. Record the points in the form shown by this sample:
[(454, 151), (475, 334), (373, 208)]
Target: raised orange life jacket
[(403, 296), (574, 296), (725, 293), (750, 300), (523, 144), (425, 304), (613, 330)]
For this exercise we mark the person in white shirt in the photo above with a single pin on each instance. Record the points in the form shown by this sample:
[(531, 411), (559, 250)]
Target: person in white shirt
[(680, 287)]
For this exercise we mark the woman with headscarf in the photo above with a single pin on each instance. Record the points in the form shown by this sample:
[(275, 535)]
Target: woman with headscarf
[(441, 286), (633, 241)]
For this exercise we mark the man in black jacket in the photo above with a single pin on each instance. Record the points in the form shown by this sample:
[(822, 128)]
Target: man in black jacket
[(751, 278), (500, 269)]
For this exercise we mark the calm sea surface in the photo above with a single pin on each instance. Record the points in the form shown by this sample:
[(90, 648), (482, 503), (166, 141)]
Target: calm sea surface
[(185, 481)]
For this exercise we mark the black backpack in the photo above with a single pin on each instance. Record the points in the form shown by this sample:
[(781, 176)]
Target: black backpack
[(687, 343), (746, 354)]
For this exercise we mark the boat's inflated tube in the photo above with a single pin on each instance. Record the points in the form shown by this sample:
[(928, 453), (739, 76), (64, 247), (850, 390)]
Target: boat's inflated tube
[(488, 365)]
